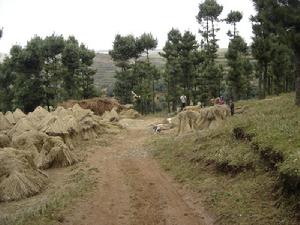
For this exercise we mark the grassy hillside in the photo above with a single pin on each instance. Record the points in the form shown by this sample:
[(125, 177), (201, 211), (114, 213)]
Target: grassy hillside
[(106, 68), (247, 171)]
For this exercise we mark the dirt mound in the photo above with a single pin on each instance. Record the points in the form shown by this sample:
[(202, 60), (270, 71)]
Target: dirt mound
[(206, 118), (98, 105), (18, 176), (130, 114)]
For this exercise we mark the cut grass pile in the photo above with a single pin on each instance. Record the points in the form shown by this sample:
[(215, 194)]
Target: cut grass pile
[(48, 210), (248, 171)]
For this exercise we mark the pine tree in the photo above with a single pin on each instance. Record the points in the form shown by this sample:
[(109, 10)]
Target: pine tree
[(261, 47), (173, 70), (239, 74), (147, 42), (211, 73)]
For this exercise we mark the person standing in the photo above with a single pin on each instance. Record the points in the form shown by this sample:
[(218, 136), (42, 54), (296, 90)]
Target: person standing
[(183, 100)]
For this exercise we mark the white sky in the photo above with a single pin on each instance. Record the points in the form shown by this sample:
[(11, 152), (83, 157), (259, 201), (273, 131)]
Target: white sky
[(96, 22)]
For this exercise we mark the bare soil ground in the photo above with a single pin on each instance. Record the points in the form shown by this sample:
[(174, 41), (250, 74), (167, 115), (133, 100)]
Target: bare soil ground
[(132, 189)]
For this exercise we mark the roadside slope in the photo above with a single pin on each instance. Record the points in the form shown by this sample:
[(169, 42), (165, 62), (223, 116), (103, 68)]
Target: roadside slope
[(247, 171)]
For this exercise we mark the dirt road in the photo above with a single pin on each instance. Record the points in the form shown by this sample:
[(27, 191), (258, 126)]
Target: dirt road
[(132, 188)]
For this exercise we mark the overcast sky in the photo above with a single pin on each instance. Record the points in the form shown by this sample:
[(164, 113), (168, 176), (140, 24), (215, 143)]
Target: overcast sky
[(96, 22)]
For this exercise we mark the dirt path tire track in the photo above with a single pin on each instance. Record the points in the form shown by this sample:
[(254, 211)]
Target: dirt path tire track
[(133, 190)]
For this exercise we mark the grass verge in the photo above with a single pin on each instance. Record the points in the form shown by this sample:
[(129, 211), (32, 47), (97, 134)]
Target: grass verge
[(246, 171)]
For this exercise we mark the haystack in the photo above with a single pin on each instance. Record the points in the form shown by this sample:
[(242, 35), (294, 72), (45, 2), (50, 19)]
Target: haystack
[(206, 118), (59, 126), (4, 141), (18, 114), (55, 153), (50, 137), (23, 125), (4, 123), (111, 116), (195, 108), (37, 116), (10, 117), (61, 112), (30, 141), (18, 176), (130, 114)]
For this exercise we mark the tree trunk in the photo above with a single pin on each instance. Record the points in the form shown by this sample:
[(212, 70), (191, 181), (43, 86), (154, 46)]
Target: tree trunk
[(207, 30), (153, 95), (234, 30), (297, 80), (269, 84), (260, 88), (265, 80)]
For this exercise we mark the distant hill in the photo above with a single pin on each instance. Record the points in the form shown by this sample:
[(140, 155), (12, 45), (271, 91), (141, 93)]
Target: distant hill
[(106, 68)]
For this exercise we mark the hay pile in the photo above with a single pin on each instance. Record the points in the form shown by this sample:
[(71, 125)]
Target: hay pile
[(130, 114), (42, 140), (51, 137), (18, 176), (4, 141), (206, 118), (98, 105), (4, 123), (111, 116)]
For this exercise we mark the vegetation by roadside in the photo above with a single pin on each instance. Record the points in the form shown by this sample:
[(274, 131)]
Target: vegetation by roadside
[(246, 171)]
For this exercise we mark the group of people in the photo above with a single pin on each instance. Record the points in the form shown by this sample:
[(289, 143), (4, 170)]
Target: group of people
[(218, 101)]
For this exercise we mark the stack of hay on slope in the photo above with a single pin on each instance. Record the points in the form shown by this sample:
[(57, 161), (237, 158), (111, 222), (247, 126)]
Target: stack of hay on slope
[(41, 140), (19, 178), (206, 118)]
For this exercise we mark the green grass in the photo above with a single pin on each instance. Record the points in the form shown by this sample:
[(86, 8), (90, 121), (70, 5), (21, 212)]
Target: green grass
[(243, 182)]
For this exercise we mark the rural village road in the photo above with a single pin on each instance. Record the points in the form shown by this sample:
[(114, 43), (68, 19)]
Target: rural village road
[(133, 190)]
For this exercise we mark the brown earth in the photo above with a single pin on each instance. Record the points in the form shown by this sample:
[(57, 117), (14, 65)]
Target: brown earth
[(132, 189)]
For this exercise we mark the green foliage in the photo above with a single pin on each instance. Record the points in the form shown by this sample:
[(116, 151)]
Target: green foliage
[(233, 18), (182, 62), (136, 75), (277, 22), (45, 72), (240, 70), (124, 49), (210, 73), (239, 75), (209, 10), (147, 42)]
